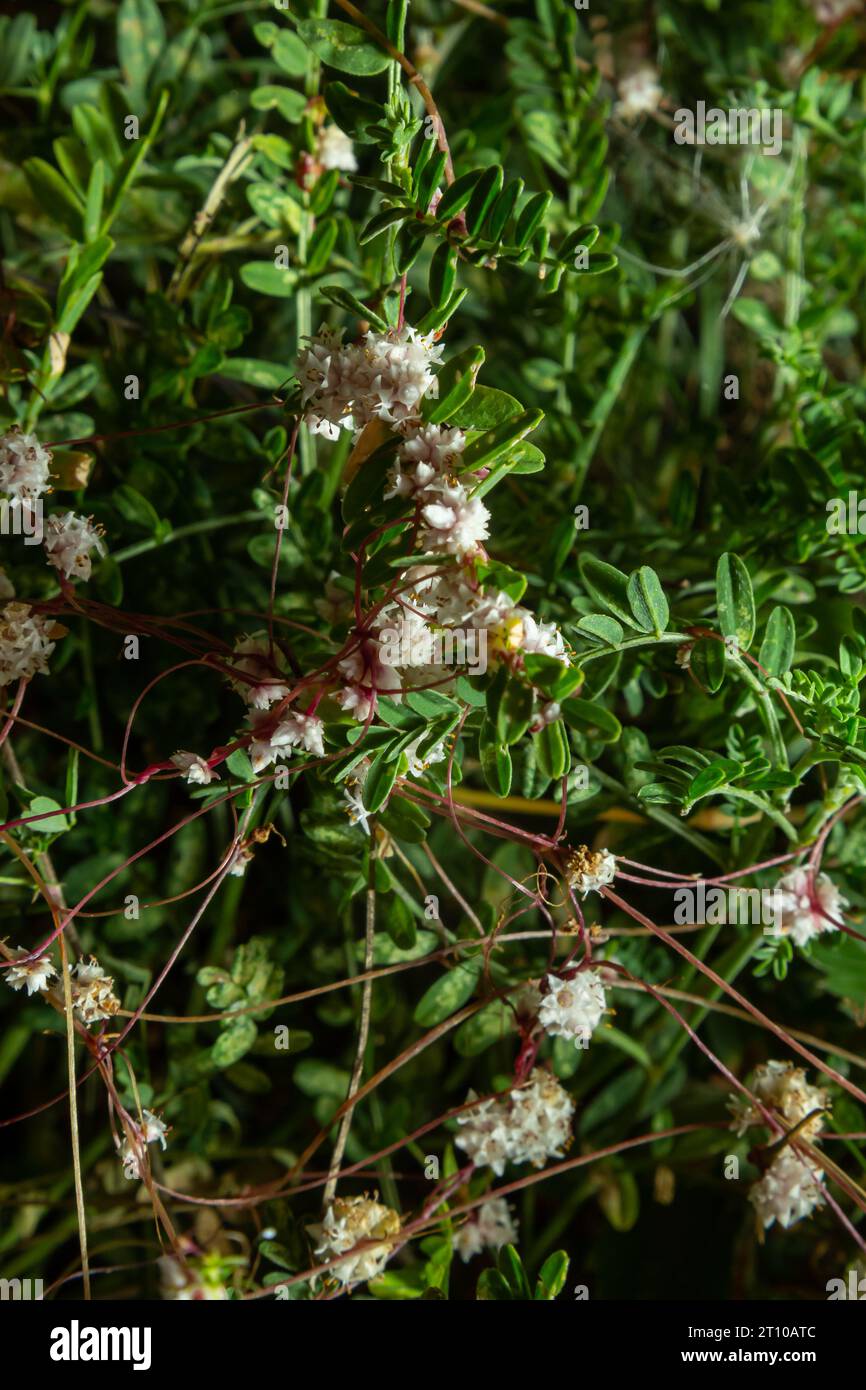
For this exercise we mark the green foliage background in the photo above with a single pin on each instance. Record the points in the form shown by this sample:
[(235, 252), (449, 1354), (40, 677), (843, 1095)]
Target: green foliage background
[(716, 507)]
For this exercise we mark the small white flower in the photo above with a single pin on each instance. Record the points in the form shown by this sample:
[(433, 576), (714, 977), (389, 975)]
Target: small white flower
[(572, 1008), (367, 677), (801, 903), (453, 522), (24, 466), (543, 638), (263, 684), (788, 1191), (417, 767), (356, 810), (194, 769), (639, 92), (300, 731), (69, 540), (424, 456), (295, 731), (348, 1222), (335, 150), (35, 974), (590, 870), (531, 1125), (385, 377), (153, 1131), (24, 643), (783, 1088), (489, 1229), (93, 996)]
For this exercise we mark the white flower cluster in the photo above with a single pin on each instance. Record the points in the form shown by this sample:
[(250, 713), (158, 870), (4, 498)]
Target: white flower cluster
[(69, 540), (384, 376), (788, 1191), (35, 974), (801, 901), (258, 681), (573, 1008), (349, 1221), (588, 871), (152, 1131), (531, 1125), (639, 92), (195, 769), (790, 1188), (25, 643), (295, 731), (782, 1088), (93, 996), (489, 1229), (24, 466), (334, 149), (453, 522)]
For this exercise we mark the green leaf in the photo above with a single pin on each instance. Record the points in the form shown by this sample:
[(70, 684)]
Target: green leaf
[(484, 451), (434, 320), (490, 1025), (140, 40), (448, 994), (515, 712), (268, 376), (289, 103), (93, 205), (512, 1271), (455, 198), (346, 300), (777, 649), (487, 409), (343, 46), (604, 629), (708, 663), (707, 781), (484, 195), (316, 1078), (531, 217), (552, 1276), (379, 781), (234, 1041), (274, 207), (456, 383), (495, 760), (351, 112), (239, 765), (55, 196), (135, 508), (289, 53), (266, 278), (591, 719), (399, 922), (503, 208), (53, 824), (608, 586), (736, 602), (443, 274), (381, 222), (648, 602), (552, 753)]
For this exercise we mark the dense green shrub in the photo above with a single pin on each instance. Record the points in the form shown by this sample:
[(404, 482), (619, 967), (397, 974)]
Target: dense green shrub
[(467, 456)]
